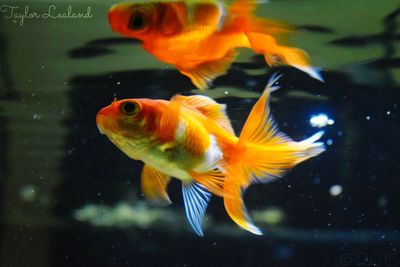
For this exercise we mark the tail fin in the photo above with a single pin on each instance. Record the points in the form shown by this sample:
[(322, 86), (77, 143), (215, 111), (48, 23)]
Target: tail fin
[(262, 154), (276, 54)]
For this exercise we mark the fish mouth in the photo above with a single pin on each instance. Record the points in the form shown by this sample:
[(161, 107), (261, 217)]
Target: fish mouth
[(100, 129), (99, 121)]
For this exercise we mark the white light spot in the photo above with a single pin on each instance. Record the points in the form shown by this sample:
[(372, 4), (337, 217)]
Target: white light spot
[(118, 83), (36, 116), (329, 142), (368, 118), (321, 120), (335, 190), (226, 92), (388, 112), (28, 193)]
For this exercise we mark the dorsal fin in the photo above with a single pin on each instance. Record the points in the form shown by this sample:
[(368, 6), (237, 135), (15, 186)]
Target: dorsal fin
[(208, 107)]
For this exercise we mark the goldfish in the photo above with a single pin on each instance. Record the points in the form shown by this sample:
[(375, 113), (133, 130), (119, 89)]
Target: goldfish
[(201, 38), (191, 138)]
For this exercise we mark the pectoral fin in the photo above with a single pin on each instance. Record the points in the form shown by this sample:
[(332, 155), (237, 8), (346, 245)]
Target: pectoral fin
[(154, 184)]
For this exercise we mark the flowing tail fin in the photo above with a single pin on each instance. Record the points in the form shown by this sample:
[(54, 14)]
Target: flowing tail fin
[(275, 54), (262, 154), (261, 34)]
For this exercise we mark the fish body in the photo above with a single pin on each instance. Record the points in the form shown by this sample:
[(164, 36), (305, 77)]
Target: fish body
[(191, 138), (200, 39)]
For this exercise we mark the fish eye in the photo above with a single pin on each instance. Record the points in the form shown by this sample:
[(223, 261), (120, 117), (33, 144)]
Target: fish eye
[(129, 108), (138, 21)]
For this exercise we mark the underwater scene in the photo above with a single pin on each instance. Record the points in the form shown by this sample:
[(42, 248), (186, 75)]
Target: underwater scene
[(199, 133)]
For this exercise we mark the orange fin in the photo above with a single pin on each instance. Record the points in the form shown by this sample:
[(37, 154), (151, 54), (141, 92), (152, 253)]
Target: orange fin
[(169, 122), (236, 209), (154, 185), (259, 127), (213, 181), (267, 153), (203, 74), (276, 54), (262, 154), (208, 107)]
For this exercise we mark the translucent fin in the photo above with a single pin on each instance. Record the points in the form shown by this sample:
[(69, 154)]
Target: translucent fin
[(312, 148), (169, 122), (208, 107), (154, 184), (236, 209), (195, 198), (204, 74), (213, 181), (275, 54), (260, 128), (265, 152)]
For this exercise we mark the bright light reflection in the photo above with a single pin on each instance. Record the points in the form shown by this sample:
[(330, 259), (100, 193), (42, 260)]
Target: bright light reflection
[(321, 120)]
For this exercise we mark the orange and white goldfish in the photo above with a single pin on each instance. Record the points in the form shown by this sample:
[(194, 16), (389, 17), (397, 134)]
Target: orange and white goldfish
[(201, 41), (191, 138)]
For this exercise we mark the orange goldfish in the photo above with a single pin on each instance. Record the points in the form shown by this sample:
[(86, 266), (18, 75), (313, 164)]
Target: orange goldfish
[(201, 41), (191, 138)]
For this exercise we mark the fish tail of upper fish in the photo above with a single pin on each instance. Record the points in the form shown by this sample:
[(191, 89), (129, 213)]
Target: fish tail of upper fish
[(262, 154), (262, 35), (276, 54)]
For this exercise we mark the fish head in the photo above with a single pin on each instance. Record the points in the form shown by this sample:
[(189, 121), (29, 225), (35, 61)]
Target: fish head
[(132, 20), (128, 119), (146, 21)]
